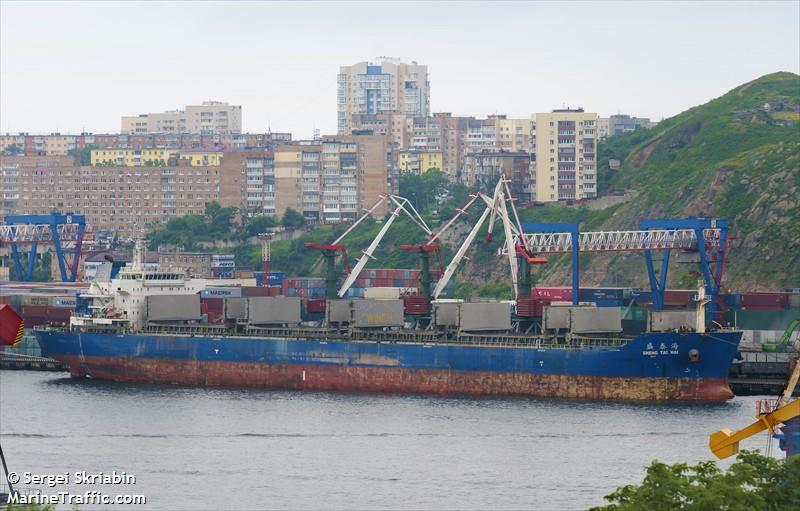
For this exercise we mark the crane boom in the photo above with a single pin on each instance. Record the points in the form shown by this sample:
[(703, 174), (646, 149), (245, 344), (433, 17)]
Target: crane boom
[(725, 442), (367, 254), (451, 268)]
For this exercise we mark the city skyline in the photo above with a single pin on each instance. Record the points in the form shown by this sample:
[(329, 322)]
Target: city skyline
[(281, 63)]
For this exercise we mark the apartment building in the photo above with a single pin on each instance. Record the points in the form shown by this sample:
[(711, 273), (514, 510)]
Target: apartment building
[(481, 170), (210, 117), (417, 161), (121, 199), (61, 145), (153, 157), (332, 180), (385, 86), (566, 154)]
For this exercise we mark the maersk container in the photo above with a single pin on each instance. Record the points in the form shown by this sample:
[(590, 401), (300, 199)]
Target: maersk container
[(274, 310), (369, 313), (221, 292), (173, 307), (483, 316)]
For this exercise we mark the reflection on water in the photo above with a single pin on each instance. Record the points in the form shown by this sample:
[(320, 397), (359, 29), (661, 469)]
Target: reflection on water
[(276, 449)]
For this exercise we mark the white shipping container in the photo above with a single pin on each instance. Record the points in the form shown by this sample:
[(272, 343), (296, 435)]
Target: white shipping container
[(378, 313), (474, 317), (338, 311), (273, 309)]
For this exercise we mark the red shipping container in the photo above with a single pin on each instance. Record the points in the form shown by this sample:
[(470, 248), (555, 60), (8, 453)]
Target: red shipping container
[(765, 301), (255, 291), (531, 307), (315, 305), (554, 294), (416, 305), (12, 327), (274, 291)]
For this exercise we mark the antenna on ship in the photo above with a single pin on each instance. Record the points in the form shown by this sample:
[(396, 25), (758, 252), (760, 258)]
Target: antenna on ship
[(139, 254)]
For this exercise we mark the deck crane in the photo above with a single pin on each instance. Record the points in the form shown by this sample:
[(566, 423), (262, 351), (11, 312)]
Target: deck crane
[(432, 246), (496, 207), (401, 204), (397, 205), (725, 443)]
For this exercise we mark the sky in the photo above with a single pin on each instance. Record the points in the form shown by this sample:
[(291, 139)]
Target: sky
[(72, 67)]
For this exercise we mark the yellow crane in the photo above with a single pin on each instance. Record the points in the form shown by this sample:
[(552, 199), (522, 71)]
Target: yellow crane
[(725, 442)]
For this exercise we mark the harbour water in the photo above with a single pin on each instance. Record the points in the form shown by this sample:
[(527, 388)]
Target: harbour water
[(198, 449)]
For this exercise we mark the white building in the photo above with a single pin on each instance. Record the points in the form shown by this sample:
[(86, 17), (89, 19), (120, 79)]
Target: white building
[(387, 85)]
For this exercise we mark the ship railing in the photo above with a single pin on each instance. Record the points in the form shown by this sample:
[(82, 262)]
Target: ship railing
[(391, 336)]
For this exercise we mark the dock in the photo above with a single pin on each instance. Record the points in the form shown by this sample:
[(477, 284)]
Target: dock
[(19, 362)]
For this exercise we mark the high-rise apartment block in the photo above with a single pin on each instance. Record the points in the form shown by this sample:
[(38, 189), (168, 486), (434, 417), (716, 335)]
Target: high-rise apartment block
[(331, 180), (385, 86), (566, 154), (210, 117)]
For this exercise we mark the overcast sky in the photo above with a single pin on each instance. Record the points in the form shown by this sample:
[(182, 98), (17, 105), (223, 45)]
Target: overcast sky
[(72, 67)]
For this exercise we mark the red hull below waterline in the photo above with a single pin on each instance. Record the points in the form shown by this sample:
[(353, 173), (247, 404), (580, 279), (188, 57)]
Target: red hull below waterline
[(399, 380)]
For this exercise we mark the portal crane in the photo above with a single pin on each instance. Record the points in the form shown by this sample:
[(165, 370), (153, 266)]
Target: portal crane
[(725, 443)]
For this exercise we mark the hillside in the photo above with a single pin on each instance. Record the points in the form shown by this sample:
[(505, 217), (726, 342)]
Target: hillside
[(731, 158)]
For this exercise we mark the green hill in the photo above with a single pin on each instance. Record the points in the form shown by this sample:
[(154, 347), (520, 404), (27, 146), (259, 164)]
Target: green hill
[(736, 157)]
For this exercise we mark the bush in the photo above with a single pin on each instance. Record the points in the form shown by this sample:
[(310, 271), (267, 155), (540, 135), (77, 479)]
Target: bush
[(752, 482)]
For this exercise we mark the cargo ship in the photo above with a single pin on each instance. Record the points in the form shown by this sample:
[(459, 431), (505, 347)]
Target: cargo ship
[(147, 326)]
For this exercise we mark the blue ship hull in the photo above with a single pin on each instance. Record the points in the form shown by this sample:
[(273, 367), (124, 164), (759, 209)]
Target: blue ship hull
[(652, 366)]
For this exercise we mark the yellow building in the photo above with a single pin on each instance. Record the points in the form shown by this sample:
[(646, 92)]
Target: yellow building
[(419, 162), (513, 135), (566, 155), (131, 157), (202, 158)]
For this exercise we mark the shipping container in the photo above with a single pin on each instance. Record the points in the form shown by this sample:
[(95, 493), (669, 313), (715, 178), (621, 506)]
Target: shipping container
[(587, 320), (556, 317), (445, 313), (416, 305), (554, 294), (221, 292), (275, 310), (765, 301), (173, 307), (369, 313), (484, 316), (531, 307), (236, 308), (315, 305), (338, 310)]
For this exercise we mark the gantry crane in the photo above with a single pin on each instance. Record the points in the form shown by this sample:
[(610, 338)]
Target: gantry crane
[(62, 231), (725, 443)]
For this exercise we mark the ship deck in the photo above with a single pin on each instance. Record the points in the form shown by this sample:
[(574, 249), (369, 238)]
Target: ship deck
[(504, 339)]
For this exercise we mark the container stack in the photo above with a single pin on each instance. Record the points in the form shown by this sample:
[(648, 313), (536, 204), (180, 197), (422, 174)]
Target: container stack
[(304, 287)]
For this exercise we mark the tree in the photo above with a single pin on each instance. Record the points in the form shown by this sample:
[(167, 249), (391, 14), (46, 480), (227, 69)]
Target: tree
[(752, 482), (12, 150), (292, 219), (258, 224), (83, 156), (423, 189)]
